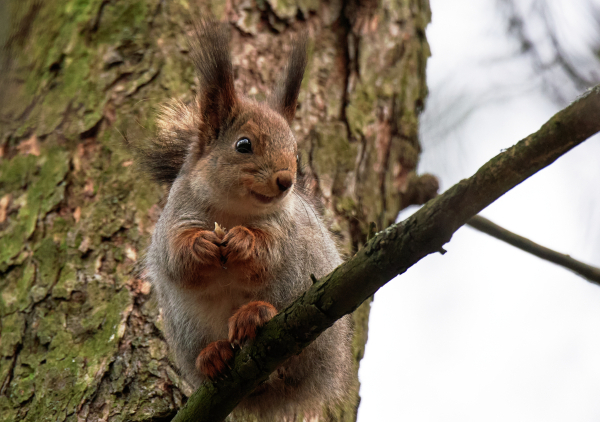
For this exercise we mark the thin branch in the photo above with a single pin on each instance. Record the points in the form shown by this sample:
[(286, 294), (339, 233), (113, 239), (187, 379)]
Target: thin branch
[(389, 253), (592, 274), (560, 67)]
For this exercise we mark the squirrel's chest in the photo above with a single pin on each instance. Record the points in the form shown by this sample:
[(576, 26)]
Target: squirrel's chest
[(216, 300)]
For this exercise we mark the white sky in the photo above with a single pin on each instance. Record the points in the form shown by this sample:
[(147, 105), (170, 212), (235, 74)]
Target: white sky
[(487, 332)]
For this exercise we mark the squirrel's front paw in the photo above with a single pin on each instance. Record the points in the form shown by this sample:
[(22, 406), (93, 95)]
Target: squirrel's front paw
[(238, 244), (245, 321), (206, 247), (214, 358)]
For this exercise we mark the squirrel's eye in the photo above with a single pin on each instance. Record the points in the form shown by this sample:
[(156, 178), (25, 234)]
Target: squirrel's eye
[(244, 146)]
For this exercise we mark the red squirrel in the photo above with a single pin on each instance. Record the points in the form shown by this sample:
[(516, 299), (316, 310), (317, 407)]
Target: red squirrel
[(238, 239)]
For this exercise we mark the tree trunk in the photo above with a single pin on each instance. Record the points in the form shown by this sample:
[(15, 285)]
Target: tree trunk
[(80, 334)]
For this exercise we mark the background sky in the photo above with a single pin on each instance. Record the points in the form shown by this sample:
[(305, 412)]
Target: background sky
[(487, 332)]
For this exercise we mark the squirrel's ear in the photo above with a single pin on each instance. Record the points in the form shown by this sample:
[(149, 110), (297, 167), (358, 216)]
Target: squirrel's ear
[(286, 94), (211, 57)]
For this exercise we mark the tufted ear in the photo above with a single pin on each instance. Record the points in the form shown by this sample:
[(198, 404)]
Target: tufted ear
[(285, 98), (212, 59)]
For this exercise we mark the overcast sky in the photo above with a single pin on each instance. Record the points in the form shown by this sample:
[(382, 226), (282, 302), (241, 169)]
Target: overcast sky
[(486, 332)]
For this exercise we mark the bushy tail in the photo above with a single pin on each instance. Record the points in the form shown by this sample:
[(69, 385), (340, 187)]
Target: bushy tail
[(162, 156)]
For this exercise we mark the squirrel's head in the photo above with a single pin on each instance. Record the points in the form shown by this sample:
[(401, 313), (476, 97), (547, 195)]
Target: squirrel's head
[(250, 165), (238, 153)]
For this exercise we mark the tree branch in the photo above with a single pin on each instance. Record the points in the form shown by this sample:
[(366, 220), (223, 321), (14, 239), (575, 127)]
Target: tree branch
[(592, 274), (389, 253)]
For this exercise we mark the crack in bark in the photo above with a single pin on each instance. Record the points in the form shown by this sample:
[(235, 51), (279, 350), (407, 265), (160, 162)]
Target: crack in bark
[(145, 83), (23, 27), (10, 374), (345, 49), (95, 23)]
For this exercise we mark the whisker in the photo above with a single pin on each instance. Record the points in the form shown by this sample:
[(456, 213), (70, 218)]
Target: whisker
[(305, 204)]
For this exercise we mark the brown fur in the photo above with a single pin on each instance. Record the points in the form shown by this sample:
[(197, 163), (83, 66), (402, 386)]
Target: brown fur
[(196, 246), (238, 245), (214, 358), (246, 320), (246, 250), (219, 287)]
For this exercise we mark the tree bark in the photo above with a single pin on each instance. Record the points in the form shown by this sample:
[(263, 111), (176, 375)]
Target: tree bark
[(80, 335)]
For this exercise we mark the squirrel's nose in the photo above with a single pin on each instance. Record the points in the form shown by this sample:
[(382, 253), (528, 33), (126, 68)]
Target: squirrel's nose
[(284, 180)]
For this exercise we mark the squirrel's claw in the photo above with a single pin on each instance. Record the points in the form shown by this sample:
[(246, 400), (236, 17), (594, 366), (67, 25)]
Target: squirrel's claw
[(206, 247), (238, 244), (214, 359), (244, 323)]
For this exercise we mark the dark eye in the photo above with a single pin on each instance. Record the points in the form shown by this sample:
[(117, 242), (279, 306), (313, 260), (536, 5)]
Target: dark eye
[(244, 146)]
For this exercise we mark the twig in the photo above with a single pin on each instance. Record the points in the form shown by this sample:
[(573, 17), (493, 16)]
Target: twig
[(389, 253), (592, 274)]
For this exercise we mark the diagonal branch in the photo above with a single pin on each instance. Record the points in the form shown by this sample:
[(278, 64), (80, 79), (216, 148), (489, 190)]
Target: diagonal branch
[(590, 273), (389, 253)]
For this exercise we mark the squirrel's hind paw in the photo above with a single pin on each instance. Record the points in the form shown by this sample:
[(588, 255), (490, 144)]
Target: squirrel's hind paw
[(245, 321), (214, 358)]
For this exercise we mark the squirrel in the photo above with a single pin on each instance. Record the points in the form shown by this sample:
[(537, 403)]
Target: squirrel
[(238, 238)]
